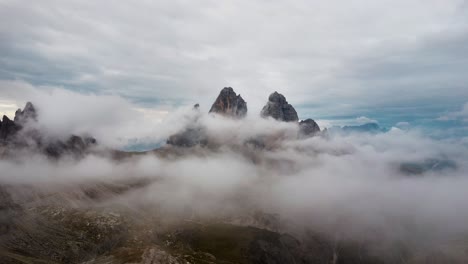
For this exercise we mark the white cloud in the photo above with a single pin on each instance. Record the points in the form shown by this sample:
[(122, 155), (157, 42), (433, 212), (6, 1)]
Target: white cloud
[(340, 184), (328, 184), (365, 120), (113, 120), (403, 124), (7, 108), (458, 115)]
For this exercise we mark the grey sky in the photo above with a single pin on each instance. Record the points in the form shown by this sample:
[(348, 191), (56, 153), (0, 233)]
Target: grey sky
[(329, 58)]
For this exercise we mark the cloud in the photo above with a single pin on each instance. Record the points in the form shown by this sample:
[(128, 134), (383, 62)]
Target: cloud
[(343, 185), (130, 72), (111, 119), (365, 120), (457, 115), (156, 53), (339, 184)]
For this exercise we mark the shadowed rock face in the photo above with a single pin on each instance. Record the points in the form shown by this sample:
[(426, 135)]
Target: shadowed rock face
[(278, 108), (229, 103), (8, 129), (308, 128)]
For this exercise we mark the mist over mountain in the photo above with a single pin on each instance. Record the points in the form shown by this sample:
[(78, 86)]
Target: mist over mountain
[(233, 132), (230, 189)]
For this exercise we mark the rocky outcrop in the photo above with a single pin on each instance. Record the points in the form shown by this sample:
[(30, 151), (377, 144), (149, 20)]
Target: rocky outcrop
[(278, 108), (308, 128), (230, 104)]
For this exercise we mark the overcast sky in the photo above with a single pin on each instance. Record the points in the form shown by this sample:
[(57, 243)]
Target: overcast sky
[(388, 60)]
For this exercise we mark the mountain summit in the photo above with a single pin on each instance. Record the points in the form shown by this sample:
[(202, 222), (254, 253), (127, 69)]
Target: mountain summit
[(278, 108), (27, 114), (229, 103)]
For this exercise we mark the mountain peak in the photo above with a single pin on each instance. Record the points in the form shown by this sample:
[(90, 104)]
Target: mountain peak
[(308, 127), (278, 108), (229, 103), (27, 114)]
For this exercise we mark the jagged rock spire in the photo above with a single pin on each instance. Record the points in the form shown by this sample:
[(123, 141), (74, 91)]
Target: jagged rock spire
[(27, 114), (229, 103), (278, 108)]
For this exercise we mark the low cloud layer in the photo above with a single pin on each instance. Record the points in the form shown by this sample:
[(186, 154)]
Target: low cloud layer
[(347, 185)]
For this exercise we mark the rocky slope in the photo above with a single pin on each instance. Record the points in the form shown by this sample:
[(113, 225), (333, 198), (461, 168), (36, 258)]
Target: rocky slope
[(72, 227), (78, 226)]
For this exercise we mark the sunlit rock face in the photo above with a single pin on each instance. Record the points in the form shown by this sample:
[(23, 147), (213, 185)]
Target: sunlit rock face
[(279, 109), (230, 104)]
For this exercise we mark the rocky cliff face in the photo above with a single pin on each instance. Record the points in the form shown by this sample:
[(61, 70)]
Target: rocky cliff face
[(230, 104), (278, 108)]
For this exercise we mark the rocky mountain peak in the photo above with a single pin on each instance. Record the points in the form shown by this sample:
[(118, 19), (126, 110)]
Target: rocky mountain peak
[(229, 103), (5, 119), (308, 127), (278, 108), (27, 114), (277, 98)]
